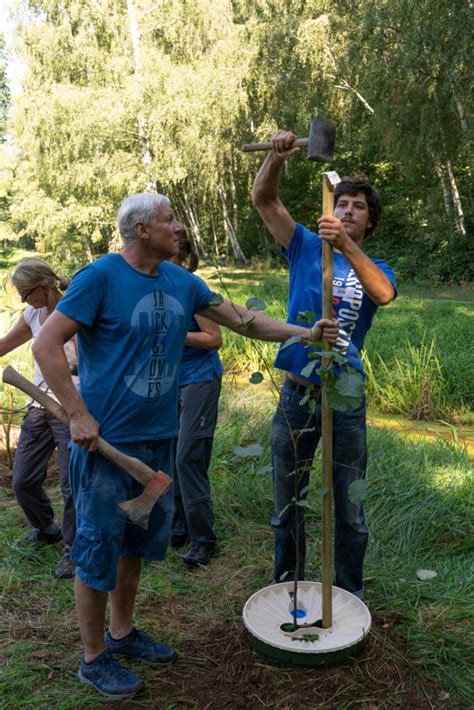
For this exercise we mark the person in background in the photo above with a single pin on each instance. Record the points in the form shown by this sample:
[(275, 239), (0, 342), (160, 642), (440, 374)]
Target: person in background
[(40, 288), (199, 388)]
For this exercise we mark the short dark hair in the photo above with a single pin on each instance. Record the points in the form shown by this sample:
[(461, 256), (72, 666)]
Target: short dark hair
[(351, 185)]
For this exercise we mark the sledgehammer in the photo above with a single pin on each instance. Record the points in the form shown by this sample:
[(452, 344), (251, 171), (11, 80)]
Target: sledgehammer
[(320, 142), (156, 483)]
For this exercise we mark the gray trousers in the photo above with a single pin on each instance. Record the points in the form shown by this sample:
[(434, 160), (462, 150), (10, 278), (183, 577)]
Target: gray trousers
[(193, 516), (40, 434)]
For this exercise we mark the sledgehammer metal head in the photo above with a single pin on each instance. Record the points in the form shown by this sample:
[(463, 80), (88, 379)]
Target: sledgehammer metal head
[(320, 142)]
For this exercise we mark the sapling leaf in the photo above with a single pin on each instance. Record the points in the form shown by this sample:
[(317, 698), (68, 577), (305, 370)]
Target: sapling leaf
[(346, 392), (261, 470), (323, 490), (357, 491), (291, 341), (216, 299), (256, 378), (305, 316), (248, 451), (245, 323), (307, 431), (256, 304), (302, 503), (304, 491), (287, 506), (303, 400), (425, 574), (283, 576), (308, 369)]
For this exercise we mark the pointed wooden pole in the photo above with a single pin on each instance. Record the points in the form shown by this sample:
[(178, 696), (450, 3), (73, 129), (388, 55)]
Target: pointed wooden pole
[(330, 180)]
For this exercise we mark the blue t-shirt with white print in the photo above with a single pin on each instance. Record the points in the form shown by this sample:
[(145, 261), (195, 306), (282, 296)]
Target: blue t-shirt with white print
[(130, 347), (199, 364), (351, 305)]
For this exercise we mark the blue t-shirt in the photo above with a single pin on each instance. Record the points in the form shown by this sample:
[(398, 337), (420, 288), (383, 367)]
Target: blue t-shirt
[(351, 305), (199, 364), (130, 347)]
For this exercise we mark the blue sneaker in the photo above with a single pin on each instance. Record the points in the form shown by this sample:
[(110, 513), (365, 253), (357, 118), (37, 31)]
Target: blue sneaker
[(138, 645), (108, 677)]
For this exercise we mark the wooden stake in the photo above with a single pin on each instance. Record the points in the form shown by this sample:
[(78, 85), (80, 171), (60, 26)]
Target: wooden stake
[(326, 422)]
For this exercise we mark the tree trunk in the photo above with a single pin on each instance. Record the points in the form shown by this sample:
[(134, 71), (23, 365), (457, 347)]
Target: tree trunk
[(229, 229), (141, 119)]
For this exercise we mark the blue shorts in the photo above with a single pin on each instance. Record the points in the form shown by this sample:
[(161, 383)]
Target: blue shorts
[(104, 533)]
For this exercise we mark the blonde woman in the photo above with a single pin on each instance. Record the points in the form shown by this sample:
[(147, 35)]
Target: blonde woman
[(40, 288)]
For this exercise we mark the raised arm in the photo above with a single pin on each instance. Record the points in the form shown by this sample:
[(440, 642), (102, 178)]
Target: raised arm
[(209, 338), (16, 336), (265, 189), (50, 356), (374, 282), (256, 325)]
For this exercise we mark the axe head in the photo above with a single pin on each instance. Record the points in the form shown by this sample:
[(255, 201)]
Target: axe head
[(322, 137), (138, 509)]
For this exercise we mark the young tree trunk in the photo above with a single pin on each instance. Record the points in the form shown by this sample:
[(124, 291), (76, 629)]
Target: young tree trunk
[(229, 229), (143, 135), (459, 212)]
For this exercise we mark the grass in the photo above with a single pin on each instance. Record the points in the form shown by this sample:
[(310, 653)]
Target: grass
[(419, 508), (419, 353)]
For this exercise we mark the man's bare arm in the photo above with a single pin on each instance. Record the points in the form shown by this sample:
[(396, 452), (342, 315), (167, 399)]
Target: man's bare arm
[(265, 189), (256, 325), (374, 282), (48, 351)]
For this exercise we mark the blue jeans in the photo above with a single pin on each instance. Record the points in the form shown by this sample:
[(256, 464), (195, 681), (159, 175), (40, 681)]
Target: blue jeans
[(295, 435)]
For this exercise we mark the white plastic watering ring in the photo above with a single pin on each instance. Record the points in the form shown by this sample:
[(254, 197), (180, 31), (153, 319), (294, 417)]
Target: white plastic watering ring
[(271, 608)]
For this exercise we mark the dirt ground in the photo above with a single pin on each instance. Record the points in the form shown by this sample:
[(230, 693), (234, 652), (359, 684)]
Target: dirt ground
[(218, 670)]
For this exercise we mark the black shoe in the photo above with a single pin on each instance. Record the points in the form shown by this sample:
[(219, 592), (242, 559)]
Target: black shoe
[(65, 568), (198, 554), (39, 536), (178, 541)]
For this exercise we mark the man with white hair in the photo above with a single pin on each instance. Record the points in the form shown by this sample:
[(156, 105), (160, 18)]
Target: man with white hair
[(131, 312)]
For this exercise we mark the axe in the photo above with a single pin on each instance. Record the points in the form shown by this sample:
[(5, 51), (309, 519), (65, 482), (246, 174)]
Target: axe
[(320, 142), (156, 483)]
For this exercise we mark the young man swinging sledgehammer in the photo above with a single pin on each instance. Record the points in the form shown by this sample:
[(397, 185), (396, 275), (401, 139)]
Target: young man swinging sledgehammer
[(360, 285), (131, 313)]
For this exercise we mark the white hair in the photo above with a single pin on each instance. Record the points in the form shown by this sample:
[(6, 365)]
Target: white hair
[(141, 207)]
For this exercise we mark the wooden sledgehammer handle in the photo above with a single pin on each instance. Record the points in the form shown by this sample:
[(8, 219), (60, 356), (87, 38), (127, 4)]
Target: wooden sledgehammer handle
[(133, 466), (253, 147)]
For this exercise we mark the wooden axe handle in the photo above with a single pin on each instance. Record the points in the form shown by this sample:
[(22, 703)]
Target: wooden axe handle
[(253, 147), (131, 465)]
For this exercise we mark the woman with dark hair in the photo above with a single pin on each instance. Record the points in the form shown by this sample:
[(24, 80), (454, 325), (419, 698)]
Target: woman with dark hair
[(200, 384), (40, 288)]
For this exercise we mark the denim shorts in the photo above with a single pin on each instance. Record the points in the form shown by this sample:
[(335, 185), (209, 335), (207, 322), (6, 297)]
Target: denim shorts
[(104, 533)]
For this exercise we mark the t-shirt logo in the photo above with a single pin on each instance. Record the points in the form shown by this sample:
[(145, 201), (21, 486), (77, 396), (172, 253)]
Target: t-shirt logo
[(159, 316), (347, 304)]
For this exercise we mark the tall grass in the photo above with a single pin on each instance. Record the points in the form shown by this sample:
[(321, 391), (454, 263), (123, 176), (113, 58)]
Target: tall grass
[(419, 353)]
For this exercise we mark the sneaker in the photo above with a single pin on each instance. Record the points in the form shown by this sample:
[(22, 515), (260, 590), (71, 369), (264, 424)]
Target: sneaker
[(42, 536), (108, 677), (65, 568), (138, 645), (199, 554)]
